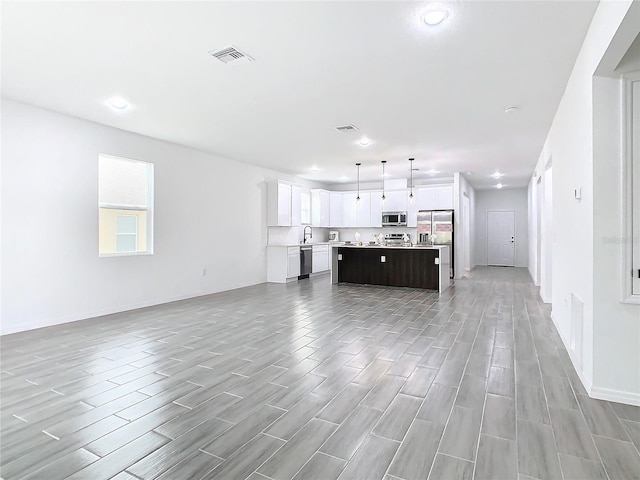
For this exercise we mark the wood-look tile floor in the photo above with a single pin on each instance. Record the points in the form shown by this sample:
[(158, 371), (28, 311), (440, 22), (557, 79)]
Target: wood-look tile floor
[(312, 381)]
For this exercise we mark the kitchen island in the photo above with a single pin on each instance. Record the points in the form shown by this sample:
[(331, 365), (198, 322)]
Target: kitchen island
[(396, 266)]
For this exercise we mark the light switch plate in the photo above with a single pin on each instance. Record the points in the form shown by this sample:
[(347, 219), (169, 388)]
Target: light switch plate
[(339, 256), (577, 193), (437, 262), (383, 259)]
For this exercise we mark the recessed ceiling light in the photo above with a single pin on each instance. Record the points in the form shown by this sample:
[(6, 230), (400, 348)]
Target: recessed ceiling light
[(469, 173), (314, 168), (497, 175), (364, 141), (510, 109), (431, 172), (499, 185), (435, 16), (343, 178), (118, 103)]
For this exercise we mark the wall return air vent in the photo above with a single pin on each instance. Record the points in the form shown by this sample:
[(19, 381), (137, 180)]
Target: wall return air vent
[(231, 55), (347, 128)]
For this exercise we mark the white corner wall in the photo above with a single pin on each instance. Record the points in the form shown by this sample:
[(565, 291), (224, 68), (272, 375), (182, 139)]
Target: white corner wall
[(514, 199), (461, 190), (584, 143), (209, 214)]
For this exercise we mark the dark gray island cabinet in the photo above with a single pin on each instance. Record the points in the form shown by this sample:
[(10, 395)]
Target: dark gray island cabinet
[(416, 267)]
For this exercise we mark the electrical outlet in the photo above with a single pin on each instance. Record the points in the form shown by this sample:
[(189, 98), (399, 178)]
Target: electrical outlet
[(383, 259), (204, 272)]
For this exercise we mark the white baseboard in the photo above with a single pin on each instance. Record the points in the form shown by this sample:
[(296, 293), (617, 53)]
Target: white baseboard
[(617, 396), (600, 393), (23, 327), (586, 382)]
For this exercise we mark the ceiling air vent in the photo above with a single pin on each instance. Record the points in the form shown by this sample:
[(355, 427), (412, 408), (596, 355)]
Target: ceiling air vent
[(347, 128), (231, 54)]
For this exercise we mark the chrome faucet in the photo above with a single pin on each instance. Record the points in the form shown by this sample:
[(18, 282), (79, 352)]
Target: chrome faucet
[(304, 235)]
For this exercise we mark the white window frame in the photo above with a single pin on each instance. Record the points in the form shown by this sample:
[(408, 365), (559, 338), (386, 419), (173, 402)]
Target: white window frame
[(147, 208), (134, 234), (630, 244)]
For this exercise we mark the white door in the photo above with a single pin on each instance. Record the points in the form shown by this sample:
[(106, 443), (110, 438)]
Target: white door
[(501, 238)]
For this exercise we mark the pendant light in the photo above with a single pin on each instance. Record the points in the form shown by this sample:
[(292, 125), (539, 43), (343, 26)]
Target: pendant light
[(358, 197), (384, 198), (411, 181)]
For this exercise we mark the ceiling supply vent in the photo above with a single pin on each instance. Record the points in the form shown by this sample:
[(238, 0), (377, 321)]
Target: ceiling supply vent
[(231, 54), (347, 128)]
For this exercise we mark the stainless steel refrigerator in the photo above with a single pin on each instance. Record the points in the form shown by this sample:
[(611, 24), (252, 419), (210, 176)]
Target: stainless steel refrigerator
[(435, 227)]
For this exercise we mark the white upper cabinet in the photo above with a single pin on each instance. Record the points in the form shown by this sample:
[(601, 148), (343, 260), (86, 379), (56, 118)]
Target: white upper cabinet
[(320, 208), (349, 209), (278, 204), (376, 209), (296, 206), (412, 210), (434, 198), (444, 197), (335, 209), (363, 210), (426, 198), (354, 213), (396, 201)]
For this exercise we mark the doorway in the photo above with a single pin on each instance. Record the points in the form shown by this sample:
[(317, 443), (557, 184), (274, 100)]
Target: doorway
[(501, 238), (466, 226), (538, 208)]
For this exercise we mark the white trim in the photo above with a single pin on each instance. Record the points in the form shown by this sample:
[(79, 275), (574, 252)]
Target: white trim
[(618, 396), (586, 382), (22, 327), (627, 269), (115, 206)]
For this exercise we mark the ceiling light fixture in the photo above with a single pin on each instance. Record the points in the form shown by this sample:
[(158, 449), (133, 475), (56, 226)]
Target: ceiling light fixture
[(384, 198), (497, 175), (358, 197), (499, 186), (510, 109), (364, 141), (435, 16), (118, 103), (314, 168), (432, 172), (411, 180)]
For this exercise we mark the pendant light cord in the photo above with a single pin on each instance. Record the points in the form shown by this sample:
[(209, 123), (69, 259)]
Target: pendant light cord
[(411, 176), (383, 195)]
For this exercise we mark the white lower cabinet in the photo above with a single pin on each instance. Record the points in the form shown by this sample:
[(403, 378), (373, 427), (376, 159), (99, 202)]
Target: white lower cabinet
[(293, 262), (320, 258), (283, 264)]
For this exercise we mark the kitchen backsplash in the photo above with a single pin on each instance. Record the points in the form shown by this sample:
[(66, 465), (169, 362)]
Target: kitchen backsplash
[(366, 234), (292, 235)]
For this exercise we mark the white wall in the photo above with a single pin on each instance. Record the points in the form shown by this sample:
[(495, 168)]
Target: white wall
[(209, 213), (584, 143), (462, 189), (507, 199)]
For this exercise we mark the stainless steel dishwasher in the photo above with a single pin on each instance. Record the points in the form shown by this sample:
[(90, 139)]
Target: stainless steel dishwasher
[(306, 255)]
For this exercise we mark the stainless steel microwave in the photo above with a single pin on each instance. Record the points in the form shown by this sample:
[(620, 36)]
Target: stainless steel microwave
[(391, 219)]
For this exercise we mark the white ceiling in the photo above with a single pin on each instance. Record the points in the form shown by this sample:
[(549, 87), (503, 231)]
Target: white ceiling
[(435, 94)]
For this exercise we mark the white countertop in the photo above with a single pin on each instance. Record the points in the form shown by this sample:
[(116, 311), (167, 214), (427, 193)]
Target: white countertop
[(400, 247), (298, 244)]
